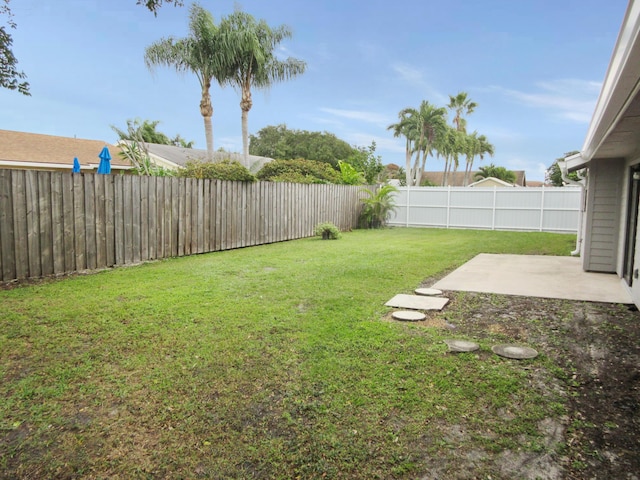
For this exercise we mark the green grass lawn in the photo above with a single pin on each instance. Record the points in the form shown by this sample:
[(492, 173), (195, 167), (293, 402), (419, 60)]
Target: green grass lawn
[(264, 362)]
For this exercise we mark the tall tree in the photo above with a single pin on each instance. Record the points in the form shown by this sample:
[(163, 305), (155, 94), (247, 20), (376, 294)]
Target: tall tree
[(477, 146), (204, 52), (461, 105), (254, 63), (10, 76), (431, 125), (406, 128), (501, 173)]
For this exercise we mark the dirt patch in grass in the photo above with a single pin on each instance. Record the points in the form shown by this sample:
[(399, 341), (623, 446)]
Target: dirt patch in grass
[(595, 349)]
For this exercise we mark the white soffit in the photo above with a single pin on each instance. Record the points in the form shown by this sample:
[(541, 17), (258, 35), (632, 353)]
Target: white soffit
[(620, 84)]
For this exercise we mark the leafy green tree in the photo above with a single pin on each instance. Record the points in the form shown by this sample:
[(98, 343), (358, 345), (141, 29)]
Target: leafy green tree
[(350, 176), (554, 175), (223, 170), (500, 173), (299, 171), (364, 160), (254, 63), (204, 52), (281, 143), (10, 76), (378, 205)]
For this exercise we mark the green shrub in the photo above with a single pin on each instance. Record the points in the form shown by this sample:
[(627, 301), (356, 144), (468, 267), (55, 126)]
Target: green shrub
[(299, 170), (224, 170), (328, 231), (377, 206)]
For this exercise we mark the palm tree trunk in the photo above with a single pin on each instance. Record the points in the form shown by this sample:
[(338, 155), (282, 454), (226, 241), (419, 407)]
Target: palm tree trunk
[(245, 106), (407, 161), (206, 109)]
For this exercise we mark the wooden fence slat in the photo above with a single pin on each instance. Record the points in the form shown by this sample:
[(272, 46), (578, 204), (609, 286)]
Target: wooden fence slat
[(153, 217), (144, 218), (33, 223), (100, 220), (135, 219), (197, 218), (118, 219), (90, 219), (7, 232), (68, 223), (57, 219), (109, 220), (206, 214), (172, 224), (20, 232)]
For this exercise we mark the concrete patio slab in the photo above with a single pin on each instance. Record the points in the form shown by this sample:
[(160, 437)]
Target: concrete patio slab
[(417, 302), (535, 276)]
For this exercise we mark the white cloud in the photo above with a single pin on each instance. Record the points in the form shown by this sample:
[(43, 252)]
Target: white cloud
[(416, 79), (570, 99), (360, 115)]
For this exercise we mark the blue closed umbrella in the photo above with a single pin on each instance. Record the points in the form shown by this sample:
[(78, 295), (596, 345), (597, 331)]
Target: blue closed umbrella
[(105, 165), (76, 165)]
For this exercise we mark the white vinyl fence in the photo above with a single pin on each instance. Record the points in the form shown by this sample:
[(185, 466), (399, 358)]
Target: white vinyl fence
[(545, 209)]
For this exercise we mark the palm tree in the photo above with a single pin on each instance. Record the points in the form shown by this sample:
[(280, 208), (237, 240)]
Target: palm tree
[(254, 63), (450, 146), (421, 127), (461, 105), (378, 206), (431, 124), (203, 52), (500, 173), (480, 148), (406, 128)]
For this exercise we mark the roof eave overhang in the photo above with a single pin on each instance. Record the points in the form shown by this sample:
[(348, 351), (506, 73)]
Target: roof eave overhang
[(618, 90)]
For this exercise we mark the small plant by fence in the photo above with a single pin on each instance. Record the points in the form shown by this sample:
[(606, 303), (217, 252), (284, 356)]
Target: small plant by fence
[(545, 209), (53, 223)]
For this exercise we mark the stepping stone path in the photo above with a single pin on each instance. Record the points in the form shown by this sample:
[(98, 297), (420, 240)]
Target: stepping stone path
[(514, 351), (417, 302), (427, 291), (461, 346), (408, 316)]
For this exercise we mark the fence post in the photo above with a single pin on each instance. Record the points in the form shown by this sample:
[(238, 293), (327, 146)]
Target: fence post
[(448, 204), (541, 209), (493, 213), (408, 205)]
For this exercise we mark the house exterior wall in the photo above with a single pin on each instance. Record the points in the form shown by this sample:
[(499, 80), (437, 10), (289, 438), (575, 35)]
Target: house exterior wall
[(604, 200)]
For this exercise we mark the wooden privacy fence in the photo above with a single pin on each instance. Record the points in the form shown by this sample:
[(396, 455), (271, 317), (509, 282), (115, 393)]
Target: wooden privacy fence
[(53, 223)]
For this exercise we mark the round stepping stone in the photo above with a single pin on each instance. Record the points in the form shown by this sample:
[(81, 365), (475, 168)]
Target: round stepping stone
[(461, 346), (516, 352), (427, 291), (408, 316)]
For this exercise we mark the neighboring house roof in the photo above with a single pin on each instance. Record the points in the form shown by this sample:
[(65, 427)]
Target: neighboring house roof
[(491, 182), (456, 179), (535, 183), (48, 152), (170, 156), (613, 131)]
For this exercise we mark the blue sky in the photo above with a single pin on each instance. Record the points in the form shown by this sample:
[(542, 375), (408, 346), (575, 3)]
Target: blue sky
[(534, 67)]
